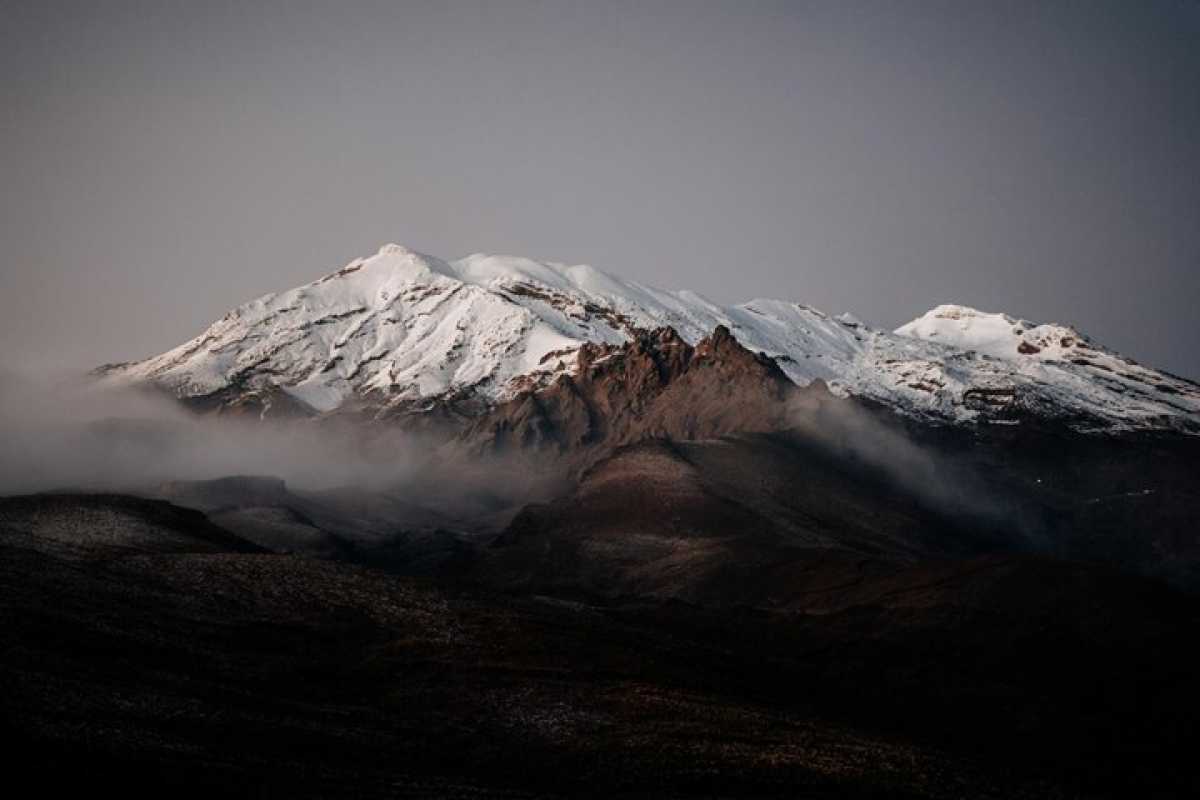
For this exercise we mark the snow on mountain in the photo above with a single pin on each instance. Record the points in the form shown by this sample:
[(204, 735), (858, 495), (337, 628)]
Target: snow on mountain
[(402, 329), (997, 335), (1061, 369)]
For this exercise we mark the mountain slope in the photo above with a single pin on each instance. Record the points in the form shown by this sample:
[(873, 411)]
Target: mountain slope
[(758, 518), (403, 332)]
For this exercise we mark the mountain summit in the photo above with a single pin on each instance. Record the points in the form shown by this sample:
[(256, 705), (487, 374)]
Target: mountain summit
[(401, 331)]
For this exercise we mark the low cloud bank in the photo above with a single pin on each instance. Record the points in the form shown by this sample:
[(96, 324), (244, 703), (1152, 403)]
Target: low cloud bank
[(66, 431)]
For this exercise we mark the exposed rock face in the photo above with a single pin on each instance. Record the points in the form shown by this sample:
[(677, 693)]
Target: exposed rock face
[(656, 386)]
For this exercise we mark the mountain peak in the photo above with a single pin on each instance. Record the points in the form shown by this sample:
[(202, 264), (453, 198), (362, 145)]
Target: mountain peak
[(996, 334), (404, 261), (958, 311), (393, 249)]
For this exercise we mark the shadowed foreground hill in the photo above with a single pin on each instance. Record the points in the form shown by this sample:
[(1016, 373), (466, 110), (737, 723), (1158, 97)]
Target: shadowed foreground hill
[(81, 526), (199, 668), (762, 519)]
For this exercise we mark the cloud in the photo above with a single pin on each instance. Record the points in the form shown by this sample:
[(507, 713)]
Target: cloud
[(65, 431)]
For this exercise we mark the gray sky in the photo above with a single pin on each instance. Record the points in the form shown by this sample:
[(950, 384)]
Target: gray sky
[(164, 162)]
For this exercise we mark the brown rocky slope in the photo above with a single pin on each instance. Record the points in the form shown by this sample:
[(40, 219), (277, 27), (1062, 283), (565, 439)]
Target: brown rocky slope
[(655, 387)]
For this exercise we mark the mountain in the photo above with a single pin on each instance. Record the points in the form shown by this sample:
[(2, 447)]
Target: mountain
[(402, 333), (659, 533)]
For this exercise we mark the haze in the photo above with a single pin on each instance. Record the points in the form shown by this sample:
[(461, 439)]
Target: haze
[(165, 162)]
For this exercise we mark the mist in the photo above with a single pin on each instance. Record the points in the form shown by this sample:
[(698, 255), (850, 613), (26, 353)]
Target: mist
[(66, 431), (938, 479)]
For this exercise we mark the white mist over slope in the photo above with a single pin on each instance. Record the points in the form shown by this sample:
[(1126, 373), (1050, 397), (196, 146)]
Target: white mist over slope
[(400, 328), (62, 432)]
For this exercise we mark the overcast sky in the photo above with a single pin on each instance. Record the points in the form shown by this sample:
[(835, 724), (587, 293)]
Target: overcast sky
[(164, 162)]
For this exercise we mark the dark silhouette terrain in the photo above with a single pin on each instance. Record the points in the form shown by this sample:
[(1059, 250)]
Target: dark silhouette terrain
[(200, 664)]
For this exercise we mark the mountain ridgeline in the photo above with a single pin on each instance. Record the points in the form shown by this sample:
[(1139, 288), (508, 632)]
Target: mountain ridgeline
[(403, 335)]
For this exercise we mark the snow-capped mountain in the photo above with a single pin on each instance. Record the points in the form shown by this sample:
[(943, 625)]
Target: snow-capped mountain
[(404, 330)]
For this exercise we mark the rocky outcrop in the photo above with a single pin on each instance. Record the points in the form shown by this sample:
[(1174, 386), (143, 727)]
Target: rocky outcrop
[(657, 386)]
